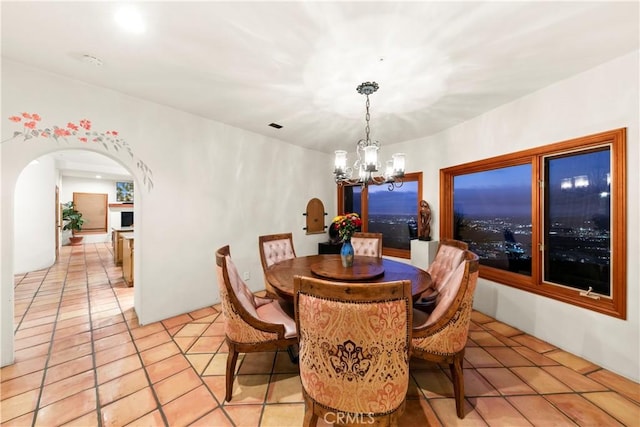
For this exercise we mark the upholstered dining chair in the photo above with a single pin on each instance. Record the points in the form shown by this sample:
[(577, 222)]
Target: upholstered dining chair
[(448, 256), (354, 349), (442, 335), (251, 323), (274, 248), (367, 244)]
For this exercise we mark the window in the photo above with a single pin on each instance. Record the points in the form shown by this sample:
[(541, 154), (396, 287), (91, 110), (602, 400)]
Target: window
[(550, 220), (93, 207), (577, 226), (492, 211), (392, 213)]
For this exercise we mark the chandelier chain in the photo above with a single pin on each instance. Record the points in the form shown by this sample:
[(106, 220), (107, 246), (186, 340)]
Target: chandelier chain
[(366, 128)]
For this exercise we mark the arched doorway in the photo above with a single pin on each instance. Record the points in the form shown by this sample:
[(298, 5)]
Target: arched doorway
[(31, 243)]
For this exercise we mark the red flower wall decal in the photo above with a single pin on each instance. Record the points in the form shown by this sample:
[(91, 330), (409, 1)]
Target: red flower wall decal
[(82, 131)]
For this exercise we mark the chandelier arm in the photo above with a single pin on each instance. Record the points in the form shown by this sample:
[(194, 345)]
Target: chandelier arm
[(395, 183), (378, 180)]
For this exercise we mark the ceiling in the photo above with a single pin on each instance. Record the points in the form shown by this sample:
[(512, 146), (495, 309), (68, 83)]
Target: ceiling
[(89, 164), (298, 63)]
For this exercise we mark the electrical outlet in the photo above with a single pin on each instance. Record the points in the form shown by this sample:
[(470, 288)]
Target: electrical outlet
[(246, 275)]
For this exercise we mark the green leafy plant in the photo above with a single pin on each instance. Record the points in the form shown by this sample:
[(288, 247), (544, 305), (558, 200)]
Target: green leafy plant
[(73, 218)]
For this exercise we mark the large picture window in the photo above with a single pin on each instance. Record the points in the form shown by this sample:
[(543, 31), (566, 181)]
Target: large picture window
[(550, 220), (392, 213), (492, 211)]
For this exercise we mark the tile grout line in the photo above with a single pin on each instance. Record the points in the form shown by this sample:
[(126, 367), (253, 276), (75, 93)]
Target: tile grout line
[(93, 349), (502, 365), (200, 375), (26, 310), (424, 396), (53, 331), (159, 406), (544, 396), (266, 392)]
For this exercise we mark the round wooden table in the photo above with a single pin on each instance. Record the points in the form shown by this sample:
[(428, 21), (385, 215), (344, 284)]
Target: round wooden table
[(329, 267)]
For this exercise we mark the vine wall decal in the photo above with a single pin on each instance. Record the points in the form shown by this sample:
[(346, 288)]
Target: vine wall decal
[(32, 128)]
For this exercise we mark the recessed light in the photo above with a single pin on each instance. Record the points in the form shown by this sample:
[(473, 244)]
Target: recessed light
[(130, 20), (98, 176)]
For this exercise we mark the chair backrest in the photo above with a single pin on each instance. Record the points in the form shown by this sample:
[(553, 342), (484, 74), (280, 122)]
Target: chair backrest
[(275, 248), (446, 329), (242, 323), (367, 244), (449, 256), (354, 342)]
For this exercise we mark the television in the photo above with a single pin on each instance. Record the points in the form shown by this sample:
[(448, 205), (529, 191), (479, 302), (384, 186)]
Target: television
[(124, 192), (126, 219)]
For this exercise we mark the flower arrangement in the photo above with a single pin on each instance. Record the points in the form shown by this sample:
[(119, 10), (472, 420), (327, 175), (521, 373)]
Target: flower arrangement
[(347, 224), (32, 128)]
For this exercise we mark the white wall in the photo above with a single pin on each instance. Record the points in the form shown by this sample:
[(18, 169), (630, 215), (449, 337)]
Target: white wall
[(35, 213), (604, 98), (213, 185)]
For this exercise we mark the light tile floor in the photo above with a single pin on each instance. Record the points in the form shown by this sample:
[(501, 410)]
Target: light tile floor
[(83, 359)]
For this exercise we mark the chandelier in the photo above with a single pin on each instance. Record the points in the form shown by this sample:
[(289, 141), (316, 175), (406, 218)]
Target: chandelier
[(366, 166)]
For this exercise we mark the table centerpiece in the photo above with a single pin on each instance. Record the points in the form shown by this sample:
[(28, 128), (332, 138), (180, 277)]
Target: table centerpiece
[(346, 225)]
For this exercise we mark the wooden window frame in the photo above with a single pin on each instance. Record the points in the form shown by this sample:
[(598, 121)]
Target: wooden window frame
[(393, 252), (616, 305)]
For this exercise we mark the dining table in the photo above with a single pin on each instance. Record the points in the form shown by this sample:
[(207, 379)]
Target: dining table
[(329, 267)]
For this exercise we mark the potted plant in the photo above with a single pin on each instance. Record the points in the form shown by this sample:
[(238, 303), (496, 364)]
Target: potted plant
[(73, 221)]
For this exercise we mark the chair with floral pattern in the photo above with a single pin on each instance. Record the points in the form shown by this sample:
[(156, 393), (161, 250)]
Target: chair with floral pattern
[(441, 336), (354, 349), (367, 244), (251, 323), (274, 248)]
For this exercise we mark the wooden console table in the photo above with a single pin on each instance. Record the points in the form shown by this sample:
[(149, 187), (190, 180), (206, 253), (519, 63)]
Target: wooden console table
[(116, 243), (127, 257)]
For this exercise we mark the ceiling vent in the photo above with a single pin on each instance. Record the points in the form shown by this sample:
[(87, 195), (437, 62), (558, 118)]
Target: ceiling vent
[(275, 125)]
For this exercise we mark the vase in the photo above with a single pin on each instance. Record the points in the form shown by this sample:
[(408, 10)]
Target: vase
[(346, 253)]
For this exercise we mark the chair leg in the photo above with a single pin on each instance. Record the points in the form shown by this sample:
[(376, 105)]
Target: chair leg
[(232, 358), (310, 419), (293, 354), (310, 416), (458, 382)]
